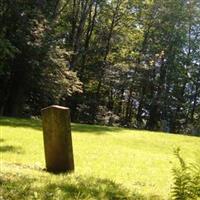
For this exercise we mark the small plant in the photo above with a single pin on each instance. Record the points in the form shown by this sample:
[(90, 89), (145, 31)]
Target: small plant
[(186, 184)]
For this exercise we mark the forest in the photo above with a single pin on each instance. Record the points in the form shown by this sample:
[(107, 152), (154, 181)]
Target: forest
[(129, 63)]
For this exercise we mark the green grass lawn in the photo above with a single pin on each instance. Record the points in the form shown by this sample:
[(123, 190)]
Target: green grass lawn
[(110, 163)]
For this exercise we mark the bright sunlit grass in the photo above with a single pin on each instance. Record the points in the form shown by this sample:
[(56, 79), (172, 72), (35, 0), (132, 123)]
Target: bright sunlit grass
[(110, 163)]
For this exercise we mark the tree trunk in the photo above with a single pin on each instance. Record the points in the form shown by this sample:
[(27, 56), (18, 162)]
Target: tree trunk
[(17, 88)]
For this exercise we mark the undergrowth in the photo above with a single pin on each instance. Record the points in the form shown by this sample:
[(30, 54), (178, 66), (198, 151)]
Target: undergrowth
[(186, 179)]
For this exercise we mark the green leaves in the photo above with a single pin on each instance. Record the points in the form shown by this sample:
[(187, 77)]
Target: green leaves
[(186, 184)]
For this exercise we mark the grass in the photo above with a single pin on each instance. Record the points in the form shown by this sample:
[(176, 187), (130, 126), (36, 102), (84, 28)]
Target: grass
[(110, 163)]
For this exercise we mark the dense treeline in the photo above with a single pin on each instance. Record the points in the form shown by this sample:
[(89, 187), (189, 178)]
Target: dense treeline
[(128, 62)]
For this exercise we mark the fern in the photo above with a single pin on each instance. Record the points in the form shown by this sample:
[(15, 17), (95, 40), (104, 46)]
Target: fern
[(186, 184)]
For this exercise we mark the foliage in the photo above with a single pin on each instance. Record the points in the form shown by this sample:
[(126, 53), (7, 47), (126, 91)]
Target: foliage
[(186, 180), (54, 83), (34, 71), (138, 60)]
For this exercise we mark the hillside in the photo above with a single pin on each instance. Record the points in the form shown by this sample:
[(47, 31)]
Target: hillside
[(110, 163)]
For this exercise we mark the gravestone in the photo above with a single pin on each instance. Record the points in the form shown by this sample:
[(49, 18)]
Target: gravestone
[(57, 139)]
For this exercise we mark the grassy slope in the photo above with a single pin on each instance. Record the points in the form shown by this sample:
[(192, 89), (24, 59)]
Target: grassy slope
[(111, 163)]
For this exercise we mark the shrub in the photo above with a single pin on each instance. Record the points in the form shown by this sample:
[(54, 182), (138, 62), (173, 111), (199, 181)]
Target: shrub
[(186, 185)]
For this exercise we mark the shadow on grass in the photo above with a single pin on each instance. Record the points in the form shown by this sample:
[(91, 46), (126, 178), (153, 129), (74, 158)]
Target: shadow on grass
[(37, 125), (10, 148), (94, 129), (1, 140), (91, 188), (21, 122), (65, 187)]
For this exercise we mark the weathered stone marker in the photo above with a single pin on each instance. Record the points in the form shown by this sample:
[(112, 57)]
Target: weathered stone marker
[(57, 139)]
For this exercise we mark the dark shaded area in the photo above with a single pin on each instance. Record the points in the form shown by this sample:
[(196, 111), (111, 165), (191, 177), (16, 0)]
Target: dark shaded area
[(93, 128), (10, 148), (92, 188), (78, 188), (83, 128), (11, 186), (37, 124), (21, 122)]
